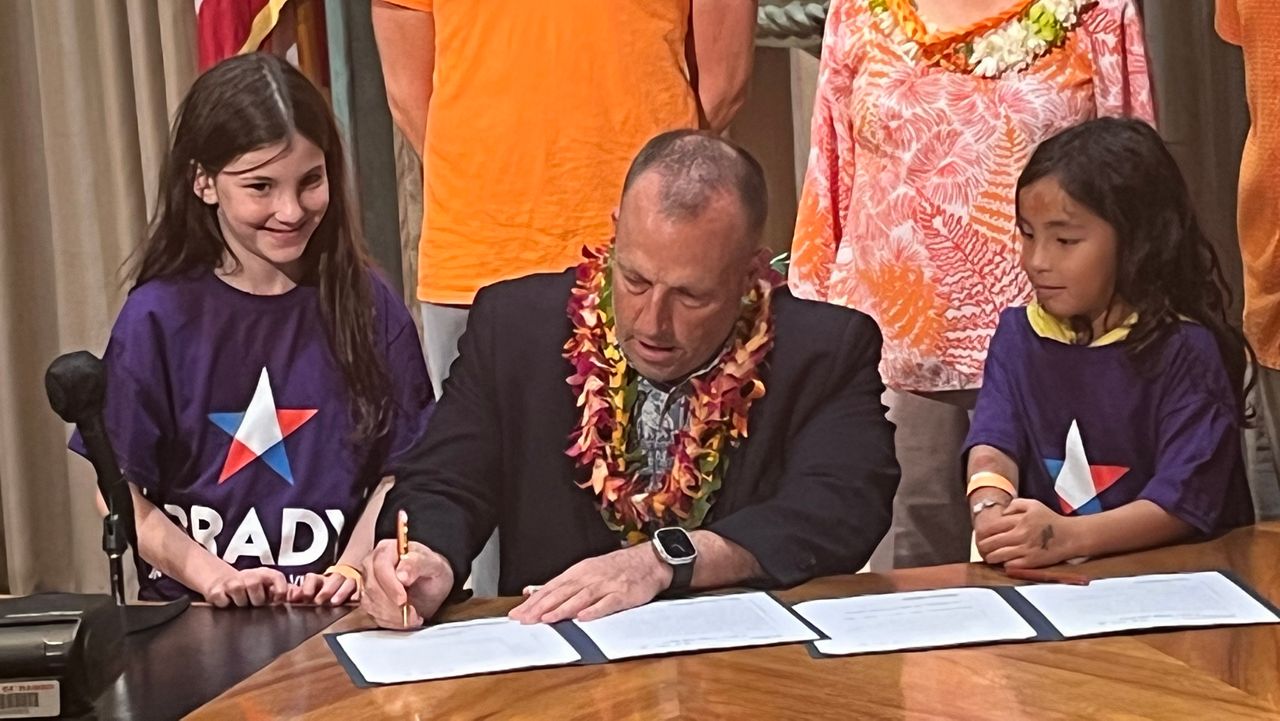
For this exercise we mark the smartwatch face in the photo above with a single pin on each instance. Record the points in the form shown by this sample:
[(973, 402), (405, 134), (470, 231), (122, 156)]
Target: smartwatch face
[(676, 543)]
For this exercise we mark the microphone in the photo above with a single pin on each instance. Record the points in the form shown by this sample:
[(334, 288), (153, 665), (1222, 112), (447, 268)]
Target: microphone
[(77, 387), (72, 641)]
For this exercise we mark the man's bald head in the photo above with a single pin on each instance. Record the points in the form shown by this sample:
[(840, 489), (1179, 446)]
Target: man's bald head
[(696, 168), (687, 251)]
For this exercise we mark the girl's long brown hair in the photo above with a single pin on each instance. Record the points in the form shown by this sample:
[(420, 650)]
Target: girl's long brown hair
[(242, 104), (1166, 268)]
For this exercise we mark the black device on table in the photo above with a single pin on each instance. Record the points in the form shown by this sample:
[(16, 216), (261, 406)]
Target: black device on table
[(58, 651)]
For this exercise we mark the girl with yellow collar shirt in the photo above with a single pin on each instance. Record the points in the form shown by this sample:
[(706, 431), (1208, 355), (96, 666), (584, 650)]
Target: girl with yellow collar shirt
[(1111, 407)]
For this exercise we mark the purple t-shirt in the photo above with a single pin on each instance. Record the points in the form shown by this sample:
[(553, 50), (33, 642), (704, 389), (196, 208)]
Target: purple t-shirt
[(230, 412), (1092, 431)]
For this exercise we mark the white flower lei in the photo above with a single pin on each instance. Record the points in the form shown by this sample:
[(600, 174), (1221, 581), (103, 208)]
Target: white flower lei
[(1014, 45)]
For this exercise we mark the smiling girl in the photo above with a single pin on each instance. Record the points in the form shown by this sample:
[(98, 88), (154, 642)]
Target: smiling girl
[(1110, 413), (262, 378)]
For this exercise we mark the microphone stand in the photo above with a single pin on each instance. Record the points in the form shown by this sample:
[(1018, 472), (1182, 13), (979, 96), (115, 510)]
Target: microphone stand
[(117, 530), (118, 533), (114, 544), (76, 385)]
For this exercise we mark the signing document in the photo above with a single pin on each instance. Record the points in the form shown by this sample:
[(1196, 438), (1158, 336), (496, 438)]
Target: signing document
[(696, 624), (1153, 601), (918, 619), (455, 649)]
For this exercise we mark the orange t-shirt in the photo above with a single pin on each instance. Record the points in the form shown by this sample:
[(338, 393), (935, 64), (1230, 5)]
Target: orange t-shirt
[(1254, 25), (537, 108)]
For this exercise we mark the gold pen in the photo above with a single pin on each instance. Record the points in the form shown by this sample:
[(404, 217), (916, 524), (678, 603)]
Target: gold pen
[(402, 545)]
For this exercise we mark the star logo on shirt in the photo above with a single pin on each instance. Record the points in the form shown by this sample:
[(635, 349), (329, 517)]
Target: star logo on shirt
[(259, 432), (1078, 482)]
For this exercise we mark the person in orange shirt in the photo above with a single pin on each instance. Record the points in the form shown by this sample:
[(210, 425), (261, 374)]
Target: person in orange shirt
[(526, 114), (1255, 27)]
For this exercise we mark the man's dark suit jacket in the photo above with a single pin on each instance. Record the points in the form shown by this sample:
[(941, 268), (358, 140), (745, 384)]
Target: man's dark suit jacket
[(808, 493)]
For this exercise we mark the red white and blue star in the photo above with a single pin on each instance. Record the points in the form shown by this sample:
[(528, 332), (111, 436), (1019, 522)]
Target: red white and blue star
[(259, 432), (1078, 482)]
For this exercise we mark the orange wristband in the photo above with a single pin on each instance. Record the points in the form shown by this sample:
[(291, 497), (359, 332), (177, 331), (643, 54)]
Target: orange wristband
[(351, 572), (990, 479)]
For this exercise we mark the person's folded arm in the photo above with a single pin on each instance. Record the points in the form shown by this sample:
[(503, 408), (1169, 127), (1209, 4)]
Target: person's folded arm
[(1198, 447), (835, 500), (1191, 488), (1131, 527)]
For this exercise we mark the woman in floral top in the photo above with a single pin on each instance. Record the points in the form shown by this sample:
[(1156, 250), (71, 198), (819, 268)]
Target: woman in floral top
[(925, 114)]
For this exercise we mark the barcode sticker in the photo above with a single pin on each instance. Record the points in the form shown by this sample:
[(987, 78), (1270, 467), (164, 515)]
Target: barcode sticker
[(29, 699)]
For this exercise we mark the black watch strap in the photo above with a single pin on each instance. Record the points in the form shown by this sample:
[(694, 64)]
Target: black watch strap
[(681, 577)]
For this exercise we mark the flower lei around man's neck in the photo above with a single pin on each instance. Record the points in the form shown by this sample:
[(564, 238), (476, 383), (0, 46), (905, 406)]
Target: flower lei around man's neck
[(989, 48), (605, 387)]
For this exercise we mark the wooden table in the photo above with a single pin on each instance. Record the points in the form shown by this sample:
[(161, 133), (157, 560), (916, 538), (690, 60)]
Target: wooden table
[(172, 669), (1202, 674)]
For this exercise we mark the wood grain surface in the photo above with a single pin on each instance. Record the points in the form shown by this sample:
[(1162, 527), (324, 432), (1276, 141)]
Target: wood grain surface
[(1225, 673)]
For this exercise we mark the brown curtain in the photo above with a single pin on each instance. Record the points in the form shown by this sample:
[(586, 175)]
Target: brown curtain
[(89, 88), (1202, 113)]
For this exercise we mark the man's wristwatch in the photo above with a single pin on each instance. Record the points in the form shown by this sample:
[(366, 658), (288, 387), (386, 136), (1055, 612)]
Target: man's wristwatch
[(674, 546)]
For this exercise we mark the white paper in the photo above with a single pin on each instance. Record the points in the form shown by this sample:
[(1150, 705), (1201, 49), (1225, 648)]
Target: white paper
[(488, 645), (916, 619), (696, 624), (1153, 601)]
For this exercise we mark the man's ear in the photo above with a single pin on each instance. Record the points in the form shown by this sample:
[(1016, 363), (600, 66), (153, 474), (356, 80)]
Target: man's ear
[(202, 185), (760, 262), (757, 266), (762, 257)]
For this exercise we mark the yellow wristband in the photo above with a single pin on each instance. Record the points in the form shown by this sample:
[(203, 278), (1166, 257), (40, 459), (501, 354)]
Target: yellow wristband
[(989, 479), (349, 571)]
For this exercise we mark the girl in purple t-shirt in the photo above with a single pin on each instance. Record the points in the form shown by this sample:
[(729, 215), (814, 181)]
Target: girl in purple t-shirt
[(1110, 412), (262, 379)]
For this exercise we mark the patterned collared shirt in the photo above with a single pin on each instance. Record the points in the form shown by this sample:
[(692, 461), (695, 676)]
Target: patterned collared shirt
[(660, 411)]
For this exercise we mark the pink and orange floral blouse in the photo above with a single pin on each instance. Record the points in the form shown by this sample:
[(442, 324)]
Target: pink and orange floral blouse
[(908, 205)]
